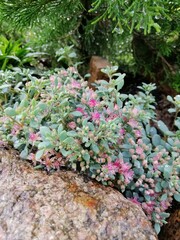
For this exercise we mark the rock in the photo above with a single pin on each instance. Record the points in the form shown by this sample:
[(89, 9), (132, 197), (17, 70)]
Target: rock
[(63, 206), (171, 231), (95, 66)]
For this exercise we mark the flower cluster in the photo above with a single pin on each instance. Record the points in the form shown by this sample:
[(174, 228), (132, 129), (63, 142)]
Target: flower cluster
[(59, 121)]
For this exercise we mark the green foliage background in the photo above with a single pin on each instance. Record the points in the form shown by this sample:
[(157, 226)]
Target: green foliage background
[(142, 36)]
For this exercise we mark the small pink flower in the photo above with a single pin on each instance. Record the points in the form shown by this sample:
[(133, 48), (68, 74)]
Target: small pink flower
[(142, 156), (139, 150), (72, 91), (135, 200), (137, 133), (92, 93), (72, 125), (122, 131), (124, 167), (76, 84), (31, 156), (34, 137), (135, 112), (128, 175), (92, 102), (111, 168), (64, 73), (164, 205), (133, 123), (15, 129), (157, 157), (56, 164), (52, 79), (116, 107), (79, 109), (148, 207), (95, 116), (72, 69), (112, 117), (108, 111)]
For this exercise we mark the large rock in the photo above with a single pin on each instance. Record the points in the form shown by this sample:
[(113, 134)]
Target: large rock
[(96, 64), (63, 206)]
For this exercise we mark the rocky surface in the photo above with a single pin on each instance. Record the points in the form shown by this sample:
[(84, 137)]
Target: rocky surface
[(95, 66), (63, 206)]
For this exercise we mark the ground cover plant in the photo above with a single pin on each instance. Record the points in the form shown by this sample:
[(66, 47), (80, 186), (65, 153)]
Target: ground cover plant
[(57, 121)]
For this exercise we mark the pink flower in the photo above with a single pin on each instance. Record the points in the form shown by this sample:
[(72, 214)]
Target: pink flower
[(122, 131), (64, 73), (139, 150), (79, 109), (34, 137), (56, 164), (164, 205), (128, 175), (125, 170), (148, 207), (111, 168), (116, 107), (112, 116), (31, 156), (15, 129), (124, 167), (92, 102), (72, 125), (157, 157), (137, 133), (135, 200), (72, 69), (96, 116), (76, 84), (133, 123), (108, 111), (52, 79), (135, 111)]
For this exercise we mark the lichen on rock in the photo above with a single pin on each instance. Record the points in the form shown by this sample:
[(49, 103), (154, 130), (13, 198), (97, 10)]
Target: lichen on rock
[(62, 206)]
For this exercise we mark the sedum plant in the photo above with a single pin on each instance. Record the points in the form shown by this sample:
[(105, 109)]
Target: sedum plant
[(57, 121)]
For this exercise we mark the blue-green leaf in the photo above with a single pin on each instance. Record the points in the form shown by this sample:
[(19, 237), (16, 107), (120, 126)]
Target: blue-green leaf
[(86, 156), (24, 153), (167, 171), (158, 187), (60, 129), (177, 197), (65, 153), (156, 140), (164, 197), (39, 154), (10, 112), (63, 135), (76, 114), (95, 148), (45, 131), (157, 227)]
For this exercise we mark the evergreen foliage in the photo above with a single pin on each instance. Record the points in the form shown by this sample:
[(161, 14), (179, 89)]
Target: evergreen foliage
[(142, 34)]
